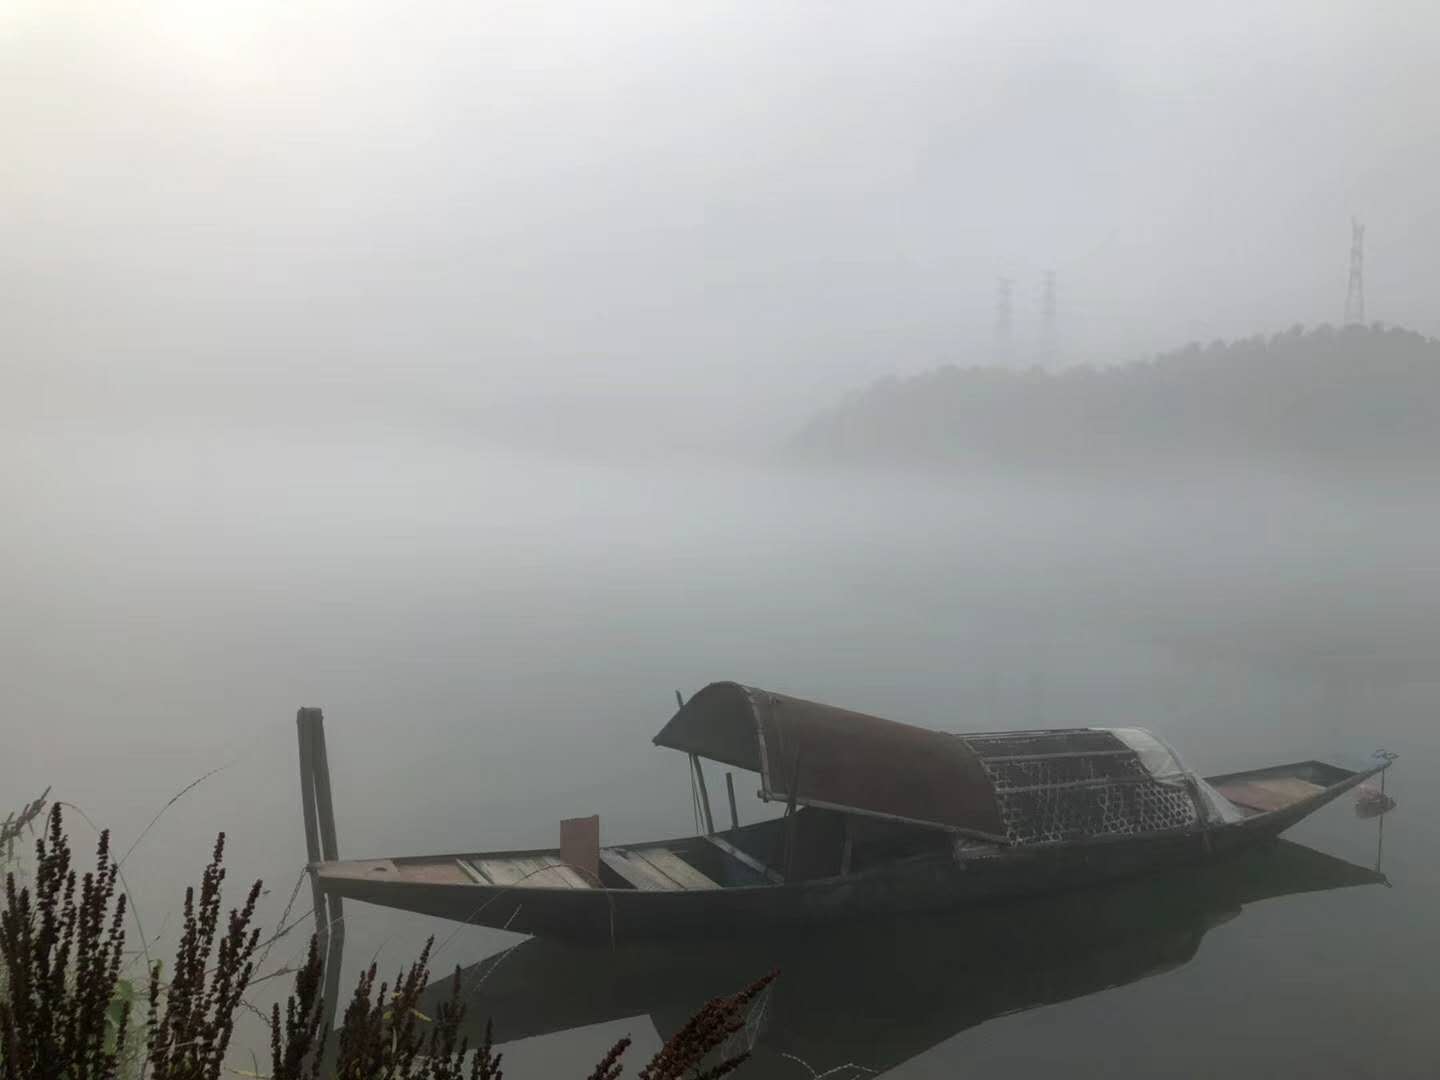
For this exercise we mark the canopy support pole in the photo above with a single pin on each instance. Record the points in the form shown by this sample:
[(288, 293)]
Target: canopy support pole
[(704, 794), (697, 773), (790, 819)]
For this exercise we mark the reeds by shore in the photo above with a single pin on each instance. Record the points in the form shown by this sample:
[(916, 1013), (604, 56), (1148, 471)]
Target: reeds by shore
[(66, 1012)]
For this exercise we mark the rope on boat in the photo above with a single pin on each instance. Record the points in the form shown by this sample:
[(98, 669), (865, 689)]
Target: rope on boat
[(1387, 756)]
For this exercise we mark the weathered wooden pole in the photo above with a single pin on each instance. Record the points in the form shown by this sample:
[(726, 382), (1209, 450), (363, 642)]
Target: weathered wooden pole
[(324, 806), (304, 720), (330, 852), (321, 844)]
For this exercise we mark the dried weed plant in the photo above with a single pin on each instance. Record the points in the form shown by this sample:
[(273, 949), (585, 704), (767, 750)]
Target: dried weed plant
[(65, 1010)]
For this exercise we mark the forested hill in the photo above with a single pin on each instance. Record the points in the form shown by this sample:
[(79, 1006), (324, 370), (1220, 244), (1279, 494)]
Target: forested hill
[(1352, 396)]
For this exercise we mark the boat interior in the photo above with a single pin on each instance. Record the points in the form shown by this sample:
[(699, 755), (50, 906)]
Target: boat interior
[(810, 843), (1261, 791), (807, 844)]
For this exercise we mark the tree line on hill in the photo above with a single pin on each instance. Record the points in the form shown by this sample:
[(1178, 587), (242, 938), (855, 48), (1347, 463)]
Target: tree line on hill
[(1356, 395)]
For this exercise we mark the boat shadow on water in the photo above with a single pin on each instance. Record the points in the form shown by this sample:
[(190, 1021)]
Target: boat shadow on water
[(879, 992)]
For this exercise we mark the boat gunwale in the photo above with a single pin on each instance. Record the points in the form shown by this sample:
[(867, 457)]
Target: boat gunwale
[(1255, 822)]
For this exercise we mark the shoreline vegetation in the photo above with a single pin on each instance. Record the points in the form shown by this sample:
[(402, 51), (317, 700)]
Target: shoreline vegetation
[(68, 1010), (1323, 399)]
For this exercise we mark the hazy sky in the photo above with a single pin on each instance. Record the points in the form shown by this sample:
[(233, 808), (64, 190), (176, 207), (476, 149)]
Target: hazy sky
[(748, 201)]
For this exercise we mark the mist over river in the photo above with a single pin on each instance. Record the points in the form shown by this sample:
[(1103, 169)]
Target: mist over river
[(495, 636)]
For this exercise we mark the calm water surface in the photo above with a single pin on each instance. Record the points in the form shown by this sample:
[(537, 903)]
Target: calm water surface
[(494, 638)]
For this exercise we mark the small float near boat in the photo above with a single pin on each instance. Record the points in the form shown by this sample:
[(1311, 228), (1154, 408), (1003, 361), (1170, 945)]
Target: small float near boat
[(879, 818)]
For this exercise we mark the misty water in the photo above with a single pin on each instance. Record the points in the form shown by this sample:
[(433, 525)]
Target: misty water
[(495, 636)]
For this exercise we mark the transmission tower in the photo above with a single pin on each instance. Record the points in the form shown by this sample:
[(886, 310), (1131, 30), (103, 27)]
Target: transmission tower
[(1047, 320), (1355, 294), (1003, 321)]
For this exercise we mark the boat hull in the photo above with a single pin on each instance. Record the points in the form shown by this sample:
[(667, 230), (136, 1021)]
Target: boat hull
[(924, 883)]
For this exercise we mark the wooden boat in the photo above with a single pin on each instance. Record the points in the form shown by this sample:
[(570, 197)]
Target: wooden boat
[(838, 999), (879, 818)]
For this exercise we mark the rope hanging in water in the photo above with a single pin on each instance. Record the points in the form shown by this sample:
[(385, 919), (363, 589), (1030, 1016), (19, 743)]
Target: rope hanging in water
[(1378, 807)]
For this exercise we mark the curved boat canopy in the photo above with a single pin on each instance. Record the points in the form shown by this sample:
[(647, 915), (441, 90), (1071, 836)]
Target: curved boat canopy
[(837, 759), (1011, 787)]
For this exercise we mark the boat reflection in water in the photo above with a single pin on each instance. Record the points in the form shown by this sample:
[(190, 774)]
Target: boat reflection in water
[(880, 993)]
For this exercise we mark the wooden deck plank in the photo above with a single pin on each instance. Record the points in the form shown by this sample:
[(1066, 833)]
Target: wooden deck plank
[(572, 877), (674, 867), (1274, 793), (523, 871), (371, 869), (746, 859), (472, 872), (501, 871), (638, 872), (539, 873)]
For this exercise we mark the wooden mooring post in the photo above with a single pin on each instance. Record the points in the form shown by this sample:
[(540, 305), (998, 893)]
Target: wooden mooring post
[(321, 845)]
